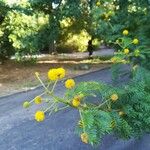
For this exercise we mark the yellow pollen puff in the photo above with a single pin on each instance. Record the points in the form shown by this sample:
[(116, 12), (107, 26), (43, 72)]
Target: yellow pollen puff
[(70, 83), (126, 51), (98, 4), (26, 104), (84, 138), (39, 116), (125, 32), (137, 53), (75, 102), (106, 16), (121, 113), (38, 100), (56, 74), (135, 41), (114, 97)]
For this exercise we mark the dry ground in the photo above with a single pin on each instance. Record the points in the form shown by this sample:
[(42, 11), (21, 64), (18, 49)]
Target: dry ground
[(16, 77)]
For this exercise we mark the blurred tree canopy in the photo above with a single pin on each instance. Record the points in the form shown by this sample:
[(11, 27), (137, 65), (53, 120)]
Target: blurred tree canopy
[(30, 26)]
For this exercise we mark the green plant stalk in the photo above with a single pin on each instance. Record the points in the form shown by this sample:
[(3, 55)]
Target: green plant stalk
[(102, 103), (82, 120), (49, 107)]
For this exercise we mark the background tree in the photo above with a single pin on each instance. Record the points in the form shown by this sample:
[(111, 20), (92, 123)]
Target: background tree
[(30, 26)]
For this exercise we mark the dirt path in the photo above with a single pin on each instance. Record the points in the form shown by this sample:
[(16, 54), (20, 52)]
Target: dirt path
[(15, 77)]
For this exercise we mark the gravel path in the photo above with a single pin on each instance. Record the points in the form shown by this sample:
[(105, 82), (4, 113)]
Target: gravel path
[(18, 130)]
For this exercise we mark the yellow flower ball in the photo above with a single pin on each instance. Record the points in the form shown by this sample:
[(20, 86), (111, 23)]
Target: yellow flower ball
[(114, 97), (125, 32), (52, 74), (135, 41), (39, 116), (70, 83), (136, 53), (26, 104), (106, 16), (84, 137), (61, 73), (75, 102), (98, 4), (38, 100), (121, 113), (126, 51), (110, 13), (56, 74)]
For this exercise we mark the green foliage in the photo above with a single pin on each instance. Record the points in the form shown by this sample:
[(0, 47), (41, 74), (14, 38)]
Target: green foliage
[(96, 124), (133, 101), (26, 27)]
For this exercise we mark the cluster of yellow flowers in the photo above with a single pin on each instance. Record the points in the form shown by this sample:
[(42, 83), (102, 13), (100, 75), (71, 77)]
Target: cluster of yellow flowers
[(126, 50), (126, 32), (53, 75), (56, 74), (39, 115)]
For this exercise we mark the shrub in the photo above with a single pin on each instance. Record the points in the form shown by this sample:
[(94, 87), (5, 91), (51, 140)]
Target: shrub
[(122, 110)]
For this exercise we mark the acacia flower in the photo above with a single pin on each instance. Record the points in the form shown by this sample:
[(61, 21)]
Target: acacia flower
[(98, 4), (70, 83), (39, 116), (38, 100), (55, 74), (136, 53), (76, 102), (121, 113), (126, 51), (125, 32), (26, 104), (135, 41), (114, 97), (84, 137)]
